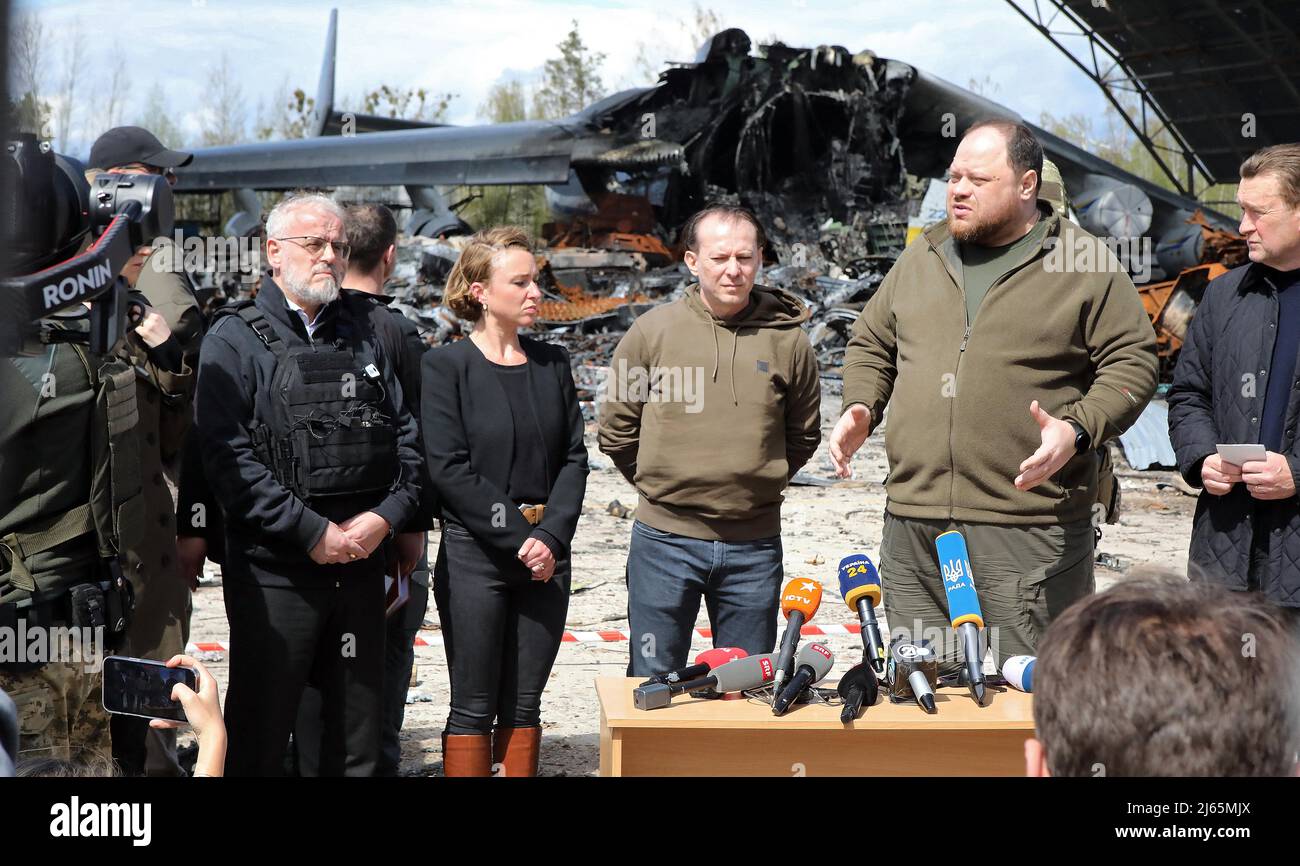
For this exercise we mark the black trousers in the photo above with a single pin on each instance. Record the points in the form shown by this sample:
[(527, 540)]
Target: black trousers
[(501, 630), (399, 658), (280, 637)]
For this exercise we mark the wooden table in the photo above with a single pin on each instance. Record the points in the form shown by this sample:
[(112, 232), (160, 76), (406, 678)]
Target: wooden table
[(736, 736)]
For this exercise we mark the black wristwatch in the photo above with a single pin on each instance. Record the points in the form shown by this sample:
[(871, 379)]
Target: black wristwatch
[(1082, 441)]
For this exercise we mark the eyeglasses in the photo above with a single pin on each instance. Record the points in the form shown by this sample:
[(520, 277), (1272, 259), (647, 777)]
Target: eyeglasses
[(315, 246), (141, 168)]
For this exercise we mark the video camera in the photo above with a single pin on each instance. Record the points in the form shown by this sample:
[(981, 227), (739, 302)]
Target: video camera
[(49, 213)]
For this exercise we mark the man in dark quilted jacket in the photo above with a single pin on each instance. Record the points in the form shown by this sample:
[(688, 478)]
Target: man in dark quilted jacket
[(1237, 382)]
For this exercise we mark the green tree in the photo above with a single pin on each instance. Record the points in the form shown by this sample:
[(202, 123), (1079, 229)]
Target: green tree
[(409, 103), (224, 118), (292, 114), (1117, 144), (571, 81), (115, 89), (28, 110), (30, 114), (505, 103), (69, 83), (523, 205), (156, 116)]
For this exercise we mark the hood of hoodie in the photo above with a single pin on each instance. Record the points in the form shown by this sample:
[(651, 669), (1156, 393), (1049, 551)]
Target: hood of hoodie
[(768, 308), (713, 464)]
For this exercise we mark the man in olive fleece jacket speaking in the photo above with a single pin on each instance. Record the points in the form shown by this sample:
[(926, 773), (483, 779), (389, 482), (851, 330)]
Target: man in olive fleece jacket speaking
[(712, 403), (1009, 344)]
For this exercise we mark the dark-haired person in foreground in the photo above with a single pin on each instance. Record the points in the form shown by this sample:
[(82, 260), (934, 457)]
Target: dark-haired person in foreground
[(503, 440), (1161, 677), (1003, 370), (713, 402)]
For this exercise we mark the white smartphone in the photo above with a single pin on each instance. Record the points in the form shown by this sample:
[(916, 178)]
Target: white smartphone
[(1239, 454)]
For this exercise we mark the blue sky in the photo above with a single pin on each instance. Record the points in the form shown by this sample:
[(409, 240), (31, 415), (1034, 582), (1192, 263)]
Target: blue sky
[(464, 47)]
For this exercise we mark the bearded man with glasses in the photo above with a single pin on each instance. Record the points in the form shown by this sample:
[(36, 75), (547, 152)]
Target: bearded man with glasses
[(313, 459)]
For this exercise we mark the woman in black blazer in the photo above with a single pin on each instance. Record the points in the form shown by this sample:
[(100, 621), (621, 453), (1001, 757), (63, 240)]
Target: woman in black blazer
[(504, 449)]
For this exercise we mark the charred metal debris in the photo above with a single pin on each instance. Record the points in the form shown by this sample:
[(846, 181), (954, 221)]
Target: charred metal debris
[(807, 138)]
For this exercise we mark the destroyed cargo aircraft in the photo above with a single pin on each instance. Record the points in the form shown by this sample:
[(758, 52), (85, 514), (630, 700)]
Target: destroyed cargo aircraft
[(831, 148)]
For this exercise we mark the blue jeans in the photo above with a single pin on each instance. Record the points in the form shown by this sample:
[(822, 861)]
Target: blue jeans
[(667, 574)]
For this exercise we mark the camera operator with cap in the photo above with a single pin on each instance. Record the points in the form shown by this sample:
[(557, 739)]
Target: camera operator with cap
[(164, 357), (132, 150), (70, 497)]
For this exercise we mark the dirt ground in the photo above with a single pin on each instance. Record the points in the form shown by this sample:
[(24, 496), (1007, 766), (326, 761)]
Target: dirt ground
[(821, 525)]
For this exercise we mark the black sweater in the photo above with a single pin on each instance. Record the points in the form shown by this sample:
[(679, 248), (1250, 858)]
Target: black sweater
[(469, 443)]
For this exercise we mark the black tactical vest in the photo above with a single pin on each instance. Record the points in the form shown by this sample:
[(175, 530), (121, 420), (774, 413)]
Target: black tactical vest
[(325, 430)]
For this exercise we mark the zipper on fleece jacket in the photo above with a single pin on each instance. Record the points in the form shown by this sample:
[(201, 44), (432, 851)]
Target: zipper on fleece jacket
[(952, 410)]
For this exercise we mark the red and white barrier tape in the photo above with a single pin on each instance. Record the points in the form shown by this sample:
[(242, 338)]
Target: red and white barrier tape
[(602, 636)]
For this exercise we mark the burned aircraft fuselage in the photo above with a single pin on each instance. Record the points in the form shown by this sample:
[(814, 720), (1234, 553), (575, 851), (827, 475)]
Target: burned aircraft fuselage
[(815, 129)]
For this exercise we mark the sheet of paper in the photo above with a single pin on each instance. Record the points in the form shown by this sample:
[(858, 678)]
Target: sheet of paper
[(1239, 454)]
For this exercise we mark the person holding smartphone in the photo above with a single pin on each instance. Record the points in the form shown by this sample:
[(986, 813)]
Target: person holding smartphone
[(503, 441), (137, 687), (1236, 384), (202, 709)]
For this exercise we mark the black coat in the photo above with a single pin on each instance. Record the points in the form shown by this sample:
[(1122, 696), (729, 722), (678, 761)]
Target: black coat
[(1218, 396), (267, 526), (407, 355), (469, 442)]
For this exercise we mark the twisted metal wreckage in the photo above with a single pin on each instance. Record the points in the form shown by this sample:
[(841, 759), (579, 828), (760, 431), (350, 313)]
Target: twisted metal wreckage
[(833, 150)]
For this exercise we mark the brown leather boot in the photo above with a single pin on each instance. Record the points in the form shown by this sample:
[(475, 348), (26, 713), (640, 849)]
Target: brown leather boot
[(466, 754), (517, 750)]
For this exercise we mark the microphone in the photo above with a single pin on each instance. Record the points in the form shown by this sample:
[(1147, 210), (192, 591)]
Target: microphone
[(704, 662), (913, 671), (734, 676), (859, 688), (1018, 671), (811, 667), (799, 602), (860, 587), (963, 605)]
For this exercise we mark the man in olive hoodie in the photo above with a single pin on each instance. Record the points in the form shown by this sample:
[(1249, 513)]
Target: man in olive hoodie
[(1009, 344), (711, 405)]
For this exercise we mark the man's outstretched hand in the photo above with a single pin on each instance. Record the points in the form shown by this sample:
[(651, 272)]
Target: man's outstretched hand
[(1055, 451), (850, 432)]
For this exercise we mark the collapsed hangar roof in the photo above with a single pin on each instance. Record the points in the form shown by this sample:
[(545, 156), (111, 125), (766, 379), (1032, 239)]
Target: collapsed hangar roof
[(1197, 67)]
